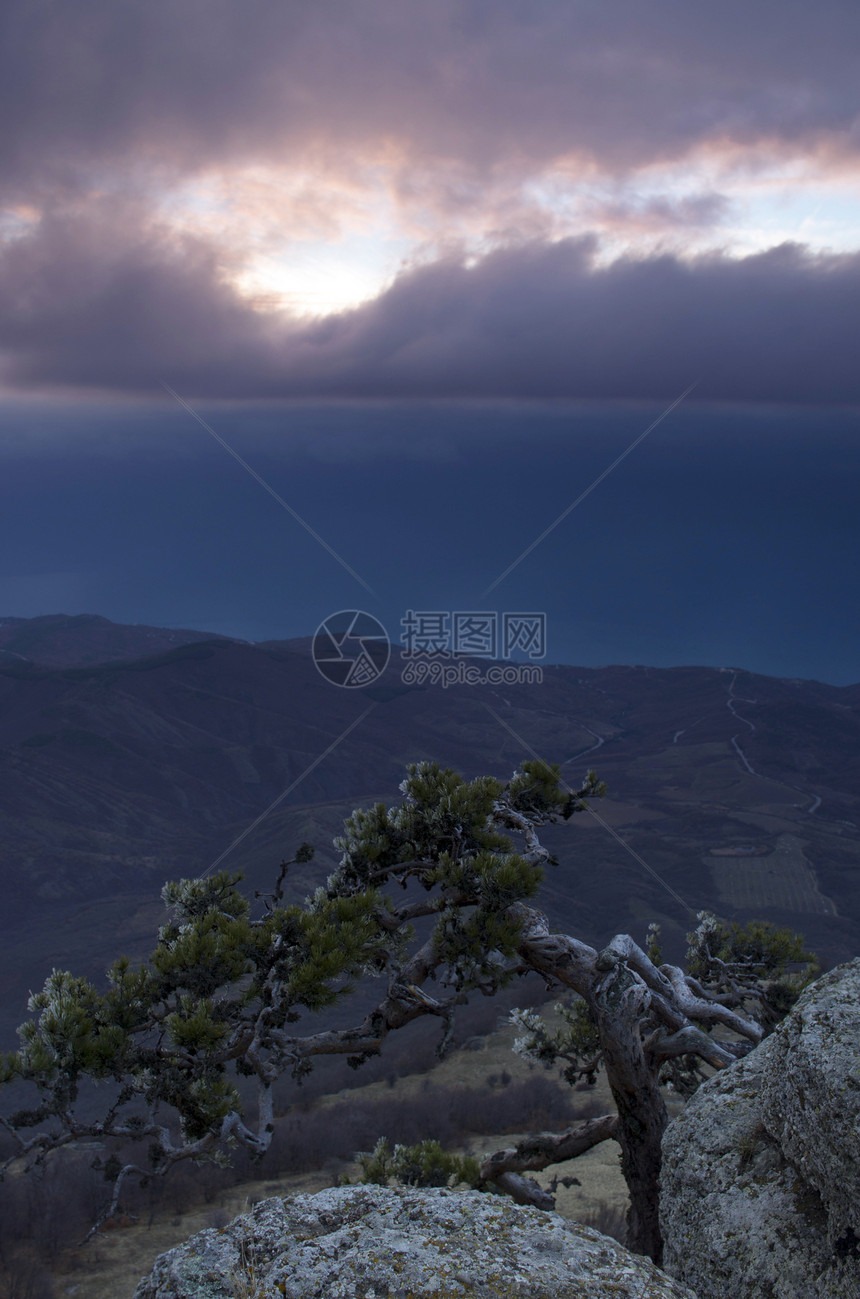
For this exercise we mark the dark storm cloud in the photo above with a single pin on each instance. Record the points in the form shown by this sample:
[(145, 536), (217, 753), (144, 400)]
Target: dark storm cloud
[(105, 107), (109, 299), (119, 304), (108, 90), (541, 321)]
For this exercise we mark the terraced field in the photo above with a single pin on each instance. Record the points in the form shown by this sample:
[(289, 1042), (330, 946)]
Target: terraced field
[(783, 878)]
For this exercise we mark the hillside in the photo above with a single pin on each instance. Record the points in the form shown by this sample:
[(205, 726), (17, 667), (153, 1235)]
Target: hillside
[(317, 1142), (739, 791), (60, 641)]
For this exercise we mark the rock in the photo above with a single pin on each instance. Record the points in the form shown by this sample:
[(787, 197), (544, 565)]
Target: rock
[(370, 1242), (760, 1189), (811, 1096)]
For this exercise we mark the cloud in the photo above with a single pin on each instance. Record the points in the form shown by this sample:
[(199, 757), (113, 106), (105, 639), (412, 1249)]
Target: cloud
[(110, 300), (543, 321), (659, 215), (149, 90), (172, 172)]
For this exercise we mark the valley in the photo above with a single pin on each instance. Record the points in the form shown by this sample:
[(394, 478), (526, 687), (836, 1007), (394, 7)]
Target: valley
[(117, 776)]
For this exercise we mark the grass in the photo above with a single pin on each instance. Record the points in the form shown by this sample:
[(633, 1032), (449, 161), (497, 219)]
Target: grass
[(111, 1267)]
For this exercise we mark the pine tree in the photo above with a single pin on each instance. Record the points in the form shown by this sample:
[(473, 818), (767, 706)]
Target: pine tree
[(223, 993)]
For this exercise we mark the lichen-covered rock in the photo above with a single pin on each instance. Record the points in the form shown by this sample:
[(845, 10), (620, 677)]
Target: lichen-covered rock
[(760, 1189), (372, 1242), (811, 1096)]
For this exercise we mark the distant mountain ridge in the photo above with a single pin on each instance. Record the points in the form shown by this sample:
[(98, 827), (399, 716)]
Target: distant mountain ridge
[(121, 772), (77, 640)]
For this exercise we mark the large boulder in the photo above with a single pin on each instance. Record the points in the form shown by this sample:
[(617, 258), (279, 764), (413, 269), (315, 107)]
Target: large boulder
[(760, 1189), (370, 1242)]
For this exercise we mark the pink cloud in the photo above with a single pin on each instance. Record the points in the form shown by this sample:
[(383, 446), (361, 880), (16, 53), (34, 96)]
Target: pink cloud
[(97, 88), (118, 303)]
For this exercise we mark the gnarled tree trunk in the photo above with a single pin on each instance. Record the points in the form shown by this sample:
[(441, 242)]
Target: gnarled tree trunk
[(618, 998), (618, 1004)]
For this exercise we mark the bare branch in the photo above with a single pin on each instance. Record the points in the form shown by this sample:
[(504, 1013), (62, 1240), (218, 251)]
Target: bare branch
[(525, 1190), (707, 1011), (111, 1207), (545, 1148), (688, 1041), (535, 851)]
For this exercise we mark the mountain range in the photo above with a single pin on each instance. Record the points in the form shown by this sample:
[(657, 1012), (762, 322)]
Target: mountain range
[(131, 755)]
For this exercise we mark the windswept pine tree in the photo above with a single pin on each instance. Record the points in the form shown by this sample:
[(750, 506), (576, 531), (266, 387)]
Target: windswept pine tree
[(223, 994)]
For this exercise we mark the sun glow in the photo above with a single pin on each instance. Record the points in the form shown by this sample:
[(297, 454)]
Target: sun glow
[(310, 284), (327, 236), (305, 242)]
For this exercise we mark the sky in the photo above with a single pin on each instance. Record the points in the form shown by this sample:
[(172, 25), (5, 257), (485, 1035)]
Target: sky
[(429, 269)]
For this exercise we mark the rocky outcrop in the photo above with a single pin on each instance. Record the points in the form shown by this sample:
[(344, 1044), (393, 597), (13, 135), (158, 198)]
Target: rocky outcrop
[(760, 1193), (371, 1242)]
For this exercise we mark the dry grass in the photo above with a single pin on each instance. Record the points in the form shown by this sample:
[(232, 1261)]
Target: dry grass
[(111, 1267)]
